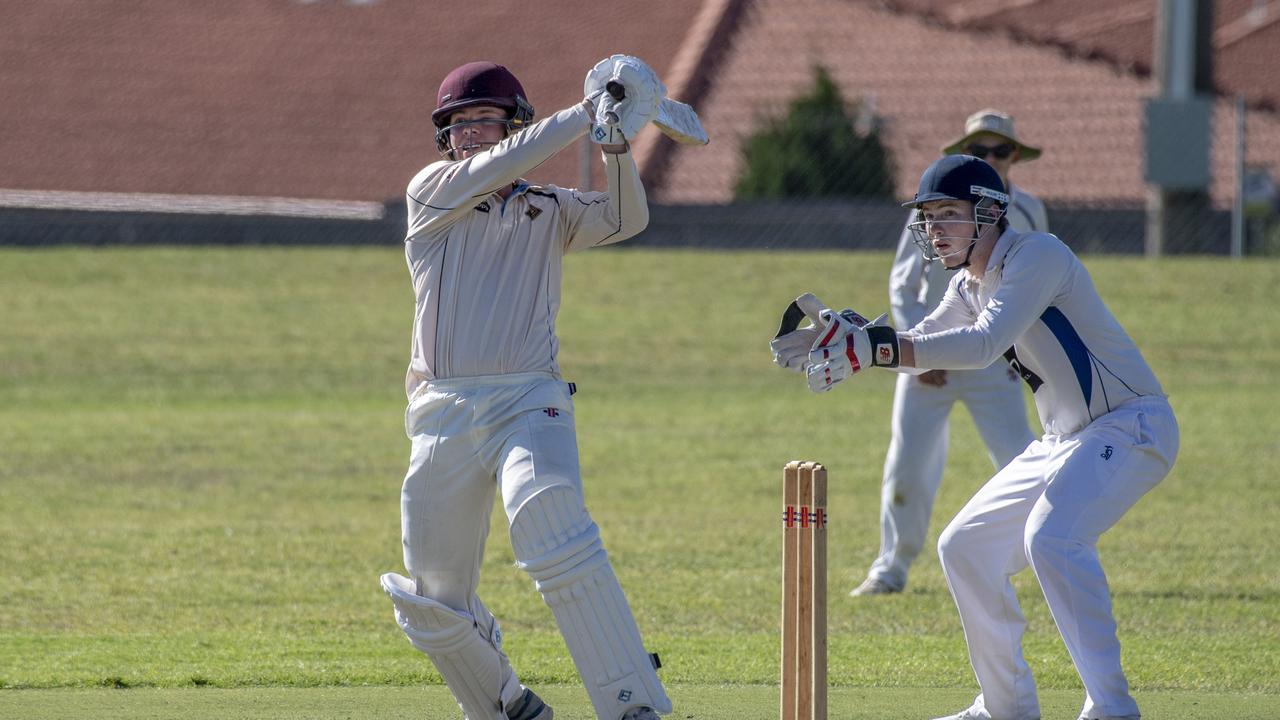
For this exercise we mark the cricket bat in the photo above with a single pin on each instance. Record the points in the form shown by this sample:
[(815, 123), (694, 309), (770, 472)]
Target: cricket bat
[(679, 122), (676, 120)]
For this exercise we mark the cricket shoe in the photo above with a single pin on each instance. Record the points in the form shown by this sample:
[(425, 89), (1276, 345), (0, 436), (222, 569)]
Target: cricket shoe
[(529, 707), (874, 586), (1110, 717), (640, 713), (967, 714)]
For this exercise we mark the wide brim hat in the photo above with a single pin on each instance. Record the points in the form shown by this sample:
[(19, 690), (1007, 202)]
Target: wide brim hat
[(996, 123)]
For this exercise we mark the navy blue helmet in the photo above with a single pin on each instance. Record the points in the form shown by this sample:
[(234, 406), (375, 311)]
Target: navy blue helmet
[(959, 177)]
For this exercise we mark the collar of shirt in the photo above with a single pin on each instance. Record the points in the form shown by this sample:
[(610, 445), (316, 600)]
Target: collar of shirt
[(519, 188), (997, 257)]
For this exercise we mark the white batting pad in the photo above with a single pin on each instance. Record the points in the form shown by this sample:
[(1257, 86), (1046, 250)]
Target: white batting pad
[(557, 543), (466, 649)]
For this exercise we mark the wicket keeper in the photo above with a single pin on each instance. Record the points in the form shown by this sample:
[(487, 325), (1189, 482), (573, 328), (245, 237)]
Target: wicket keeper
[(1109, 433)]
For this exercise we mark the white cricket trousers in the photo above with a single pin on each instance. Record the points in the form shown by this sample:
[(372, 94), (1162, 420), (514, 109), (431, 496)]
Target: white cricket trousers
[(1047, 508), (917, 453), (471, 437), (512, 434)]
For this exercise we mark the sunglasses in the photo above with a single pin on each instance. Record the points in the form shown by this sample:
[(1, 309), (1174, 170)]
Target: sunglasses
[(999, 151)]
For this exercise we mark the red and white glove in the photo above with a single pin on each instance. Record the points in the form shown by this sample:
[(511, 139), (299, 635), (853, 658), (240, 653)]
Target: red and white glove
[(848, 347), (791, 346)]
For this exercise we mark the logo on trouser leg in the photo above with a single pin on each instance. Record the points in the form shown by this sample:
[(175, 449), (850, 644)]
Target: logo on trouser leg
[(551, 412), (624, 695), (1106, 452)]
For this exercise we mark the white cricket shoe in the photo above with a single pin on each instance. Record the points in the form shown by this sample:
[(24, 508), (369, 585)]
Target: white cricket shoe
[(874, 586), (529, 707), (1110, 717), (967, 714), (640, 713)]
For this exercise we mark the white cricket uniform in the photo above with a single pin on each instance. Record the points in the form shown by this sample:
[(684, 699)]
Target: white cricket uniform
[(917, 451), (1109, 437), (488, 411)]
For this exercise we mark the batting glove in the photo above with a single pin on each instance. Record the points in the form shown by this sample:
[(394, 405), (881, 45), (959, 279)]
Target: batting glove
[(626, 93)]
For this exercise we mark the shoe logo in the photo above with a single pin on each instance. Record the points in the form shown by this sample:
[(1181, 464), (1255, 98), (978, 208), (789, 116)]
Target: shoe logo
[(624, 696), (1106, 452)]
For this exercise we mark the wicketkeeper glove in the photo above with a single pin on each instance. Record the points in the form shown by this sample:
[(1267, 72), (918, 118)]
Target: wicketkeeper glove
[(848, 349), (791, 346)]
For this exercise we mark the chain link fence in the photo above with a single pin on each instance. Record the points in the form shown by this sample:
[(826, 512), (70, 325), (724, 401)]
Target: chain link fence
[(821, 174), (761, 225)]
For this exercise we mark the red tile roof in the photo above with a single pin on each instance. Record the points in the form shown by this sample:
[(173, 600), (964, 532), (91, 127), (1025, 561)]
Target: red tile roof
[(923, 78), (286, 98), (329, 99), (1246, 34)]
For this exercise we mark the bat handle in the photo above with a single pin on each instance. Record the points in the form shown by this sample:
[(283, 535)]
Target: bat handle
[(615, 90)]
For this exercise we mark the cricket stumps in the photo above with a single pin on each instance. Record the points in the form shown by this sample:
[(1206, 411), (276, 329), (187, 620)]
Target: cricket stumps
[(804, 591)]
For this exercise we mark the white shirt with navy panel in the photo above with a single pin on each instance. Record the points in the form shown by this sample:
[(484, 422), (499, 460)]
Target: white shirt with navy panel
[(1037, 297)]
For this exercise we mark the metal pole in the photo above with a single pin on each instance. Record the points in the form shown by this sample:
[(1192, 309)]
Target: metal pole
[(1178, 80), (1237, 207), (1183, 56)]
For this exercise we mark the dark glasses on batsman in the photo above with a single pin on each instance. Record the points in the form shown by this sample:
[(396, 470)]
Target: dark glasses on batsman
[(1001, 152)]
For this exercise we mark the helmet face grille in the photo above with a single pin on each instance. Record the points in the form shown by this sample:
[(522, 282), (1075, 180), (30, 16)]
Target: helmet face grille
[(989, 207), (987, 211)]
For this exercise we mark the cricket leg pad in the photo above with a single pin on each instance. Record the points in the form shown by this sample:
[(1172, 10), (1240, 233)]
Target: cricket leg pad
[(465, 647), (558, 544)]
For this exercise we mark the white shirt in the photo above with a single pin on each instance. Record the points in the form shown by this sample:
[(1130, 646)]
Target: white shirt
[(916, 285), (486, 273), (1037, 297)]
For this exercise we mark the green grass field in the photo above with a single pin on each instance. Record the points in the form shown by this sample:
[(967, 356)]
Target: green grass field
[(201, 452)]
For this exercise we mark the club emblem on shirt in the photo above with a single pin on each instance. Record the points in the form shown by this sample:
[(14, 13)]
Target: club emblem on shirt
[(533, 212), (483, 207), (1106, 452)]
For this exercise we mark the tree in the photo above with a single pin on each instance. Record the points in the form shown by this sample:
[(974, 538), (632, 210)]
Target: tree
[(816, 151)]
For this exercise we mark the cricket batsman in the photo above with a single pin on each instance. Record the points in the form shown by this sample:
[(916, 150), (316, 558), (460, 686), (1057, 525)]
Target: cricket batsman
[(1109, 433), (488, 410)]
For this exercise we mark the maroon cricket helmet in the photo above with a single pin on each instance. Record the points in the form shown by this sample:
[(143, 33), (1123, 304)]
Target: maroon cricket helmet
[(482, 83)]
